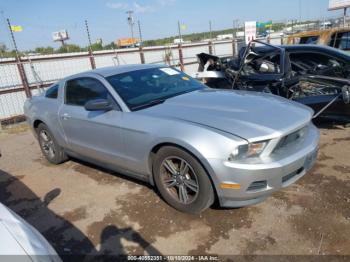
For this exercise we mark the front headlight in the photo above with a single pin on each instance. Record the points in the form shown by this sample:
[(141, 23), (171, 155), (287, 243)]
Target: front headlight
[(248, 150)]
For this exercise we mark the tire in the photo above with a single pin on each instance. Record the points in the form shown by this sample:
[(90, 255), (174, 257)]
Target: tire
[(177, 174), (49, 146)]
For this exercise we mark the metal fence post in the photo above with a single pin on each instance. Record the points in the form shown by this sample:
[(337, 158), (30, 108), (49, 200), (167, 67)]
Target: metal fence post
[(92, 60), (23, 76), (234, 47), (91, 55), (181, 58), (210, 47), (142, 55)]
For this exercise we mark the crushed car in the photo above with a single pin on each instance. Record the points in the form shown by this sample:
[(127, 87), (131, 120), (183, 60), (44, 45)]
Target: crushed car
[(316, 76)]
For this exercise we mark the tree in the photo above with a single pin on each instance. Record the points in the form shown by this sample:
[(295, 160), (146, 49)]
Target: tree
[(45, 50), (96, 47), (3, 47), (69, 49), (112, 45)]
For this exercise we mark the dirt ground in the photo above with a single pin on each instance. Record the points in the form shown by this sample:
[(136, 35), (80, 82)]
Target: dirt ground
[(82, 209)]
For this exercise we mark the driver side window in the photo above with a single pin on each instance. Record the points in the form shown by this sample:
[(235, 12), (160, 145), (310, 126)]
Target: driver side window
[(81, 90)]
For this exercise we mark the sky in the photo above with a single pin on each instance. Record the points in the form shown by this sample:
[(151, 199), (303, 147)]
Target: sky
[(159, 18)]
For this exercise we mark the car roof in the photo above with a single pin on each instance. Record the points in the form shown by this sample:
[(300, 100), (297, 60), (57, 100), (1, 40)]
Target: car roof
[(115, 70), (320, 48), (320, 32), (308, 48)]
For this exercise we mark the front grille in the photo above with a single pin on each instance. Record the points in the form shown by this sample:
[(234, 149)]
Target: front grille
[(291, 138), (257, 185), (291, 175)]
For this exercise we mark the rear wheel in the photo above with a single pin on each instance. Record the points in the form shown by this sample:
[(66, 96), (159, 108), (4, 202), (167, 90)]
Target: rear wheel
[(49, 147), (182, 181)]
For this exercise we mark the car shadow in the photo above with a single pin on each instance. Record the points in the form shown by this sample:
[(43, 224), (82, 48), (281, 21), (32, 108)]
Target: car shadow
[(330, 125), (215, 205), (112, 173), (69, 241)]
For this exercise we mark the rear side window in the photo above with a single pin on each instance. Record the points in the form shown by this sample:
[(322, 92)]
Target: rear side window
[(345, 41), (79, 91), (52, 92), (309, 40), (341, 41)]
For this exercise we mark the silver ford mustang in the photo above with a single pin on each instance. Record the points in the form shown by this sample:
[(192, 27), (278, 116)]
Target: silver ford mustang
[(194, 144)]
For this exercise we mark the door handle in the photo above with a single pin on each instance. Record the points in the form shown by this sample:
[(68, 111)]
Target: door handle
[(65, 116)]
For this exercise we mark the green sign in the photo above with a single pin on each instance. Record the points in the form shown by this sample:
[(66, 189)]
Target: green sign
[(264, 24)]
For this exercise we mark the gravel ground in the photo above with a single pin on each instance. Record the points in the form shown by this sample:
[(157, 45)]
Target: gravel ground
[(83, 209)]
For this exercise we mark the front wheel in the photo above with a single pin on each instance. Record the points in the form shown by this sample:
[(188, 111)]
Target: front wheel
[(182, 181)]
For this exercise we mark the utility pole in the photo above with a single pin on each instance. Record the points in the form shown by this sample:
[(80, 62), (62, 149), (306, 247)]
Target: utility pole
[(140, 32), (300, 8), (235, 27), (179, 28), (131, 23), (211, 35)]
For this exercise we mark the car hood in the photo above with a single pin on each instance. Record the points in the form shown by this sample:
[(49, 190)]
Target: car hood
[(22, 239), (249, 115)]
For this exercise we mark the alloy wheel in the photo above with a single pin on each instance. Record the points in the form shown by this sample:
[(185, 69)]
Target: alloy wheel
[(180, 180), (47, 144)]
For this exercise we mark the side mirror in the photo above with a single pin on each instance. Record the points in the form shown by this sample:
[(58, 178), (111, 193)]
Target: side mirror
[(98, 105), (346, 94)]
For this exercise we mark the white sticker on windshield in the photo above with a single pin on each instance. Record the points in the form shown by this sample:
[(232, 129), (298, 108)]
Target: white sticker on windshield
[(169, 71)]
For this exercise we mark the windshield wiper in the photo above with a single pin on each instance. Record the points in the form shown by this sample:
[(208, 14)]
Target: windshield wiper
[(149, 104)]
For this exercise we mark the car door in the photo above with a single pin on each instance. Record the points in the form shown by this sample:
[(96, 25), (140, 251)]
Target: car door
[(265, 72), (92, 134)]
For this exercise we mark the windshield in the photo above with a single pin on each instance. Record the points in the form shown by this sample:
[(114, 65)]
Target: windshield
[(143, 88)]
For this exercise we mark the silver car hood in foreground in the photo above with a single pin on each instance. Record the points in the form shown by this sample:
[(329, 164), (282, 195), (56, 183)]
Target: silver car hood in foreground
[(252, 116), (22, 242)]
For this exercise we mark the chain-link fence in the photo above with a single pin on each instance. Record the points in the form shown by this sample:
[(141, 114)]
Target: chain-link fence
[(32, 74), (41, 71)]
